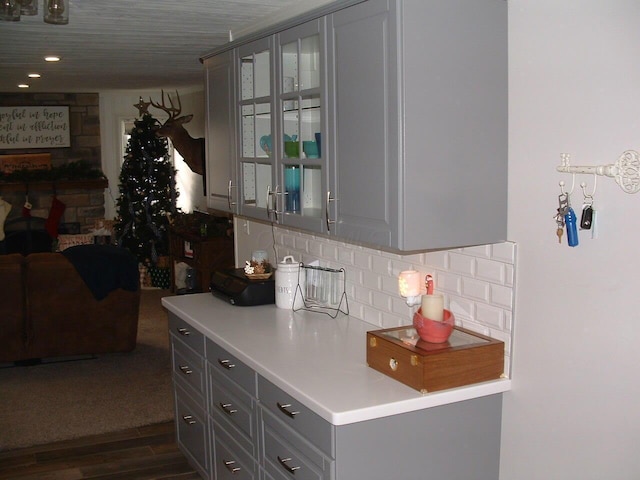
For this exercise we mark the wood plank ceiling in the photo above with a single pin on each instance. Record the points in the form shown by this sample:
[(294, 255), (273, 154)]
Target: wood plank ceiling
[(123, 44)]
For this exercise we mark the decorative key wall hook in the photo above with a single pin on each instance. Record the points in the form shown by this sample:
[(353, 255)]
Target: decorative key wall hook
[(625, 171)]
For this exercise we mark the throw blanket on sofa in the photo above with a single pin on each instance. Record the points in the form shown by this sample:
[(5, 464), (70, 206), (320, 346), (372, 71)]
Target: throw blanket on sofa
[(104, 268)]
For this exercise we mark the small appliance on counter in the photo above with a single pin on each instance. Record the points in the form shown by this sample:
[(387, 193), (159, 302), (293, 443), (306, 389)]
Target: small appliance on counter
[(236, 288)]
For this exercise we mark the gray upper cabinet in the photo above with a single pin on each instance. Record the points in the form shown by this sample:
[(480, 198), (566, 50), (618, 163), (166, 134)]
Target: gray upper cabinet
[(255, 103), (301, 86), (220, 140), (419, 128), (382, 122)]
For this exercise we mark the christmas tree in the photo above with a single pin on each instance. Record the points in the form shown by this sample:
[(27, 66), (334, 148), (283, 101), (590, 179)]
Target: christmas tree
[(147, 193)]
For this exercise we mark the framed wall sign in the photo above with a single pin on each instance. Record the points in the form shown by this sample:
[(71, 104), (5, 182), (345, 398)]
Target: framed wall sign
[(34, 127)]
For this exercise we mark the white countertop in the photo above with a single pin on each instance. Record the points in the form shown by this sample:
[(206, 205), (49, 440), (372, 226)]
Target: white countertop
[(319, 360)]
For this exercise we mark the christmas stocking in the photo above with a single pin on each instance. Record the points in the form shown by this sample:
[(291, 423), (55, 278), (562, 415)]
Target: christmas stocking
[(5, 208), (55, 214), (26, 208)]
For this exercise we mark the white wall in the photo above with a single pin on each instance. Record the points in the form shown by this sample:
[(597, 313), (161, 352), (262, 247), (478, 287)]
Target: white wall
[(574, 87), (116, 106)]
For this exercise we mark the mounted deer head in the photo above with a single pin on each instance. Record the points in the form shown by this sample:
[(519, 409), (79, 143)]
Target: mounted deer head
[(191, 149)]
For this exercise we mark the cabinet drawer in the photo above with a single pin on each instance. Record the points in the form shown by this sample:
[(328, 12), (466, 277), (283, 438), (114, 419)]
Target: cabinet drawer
[(231, 461), (188, 366), (294, 414), (231, 368), (191, 430), (232, 407), (286, 454), (186, 333)]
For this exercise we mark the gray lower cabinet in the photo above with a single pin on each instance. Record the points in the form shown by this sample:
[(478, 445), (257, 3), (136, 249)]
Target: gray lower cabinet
[(241, 426), (189, 380)]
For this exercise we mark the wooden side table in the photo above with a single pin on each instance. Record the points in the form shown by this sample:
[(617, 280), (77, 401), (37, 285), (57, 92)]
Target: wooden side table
[(203, 254)]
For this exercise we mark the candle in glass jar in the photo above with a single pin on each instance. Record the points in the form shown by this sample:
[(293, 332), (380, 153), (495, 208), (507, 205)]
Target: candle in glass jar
[(433, 307)]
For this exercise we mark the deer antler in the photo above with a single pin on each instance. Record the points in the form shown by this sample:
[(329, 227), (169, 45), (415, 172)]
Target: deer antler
[(172, 111)]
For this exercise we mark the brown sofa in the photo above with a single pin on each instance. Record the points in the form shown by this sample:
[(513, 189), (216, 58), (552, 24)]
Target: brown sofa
[(48, 310)]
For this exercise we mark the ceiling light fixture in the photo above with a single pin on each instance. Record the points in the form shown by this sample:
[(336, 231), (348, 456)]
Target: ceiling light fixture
[(55, 12), (34, 75), (51, 58), (23, 85)]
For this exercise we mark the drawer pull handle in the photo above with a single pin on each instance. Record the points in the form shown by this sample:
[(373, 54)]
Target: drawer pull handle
[(186, 370), (226, 364), (283, 462), (188, 419), (230, 466), (227, 408), (184, 331), (284, 408)]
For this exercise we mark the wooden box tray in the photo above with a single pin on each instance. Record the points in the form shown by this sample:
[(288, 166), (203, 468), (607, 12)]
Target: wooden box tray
[(467, 358)]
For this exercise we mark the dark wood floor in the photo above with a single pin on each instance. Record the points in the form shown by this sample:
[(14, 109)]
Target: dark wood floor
[(142, 453)]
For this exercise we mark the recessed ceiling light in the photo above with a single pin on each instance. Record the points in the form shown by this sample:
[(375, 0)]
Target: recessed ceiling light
[(34, 75), (52, 58), (23, 85)]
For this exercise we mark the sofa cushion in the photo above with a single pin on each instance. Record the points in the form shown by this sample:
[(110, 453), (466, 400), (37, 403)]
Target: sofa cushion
[(12, 308), (64, 317)]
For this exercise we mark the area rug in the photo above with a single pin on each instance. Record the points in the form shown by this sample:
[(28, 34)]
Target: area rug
[(64, 400)]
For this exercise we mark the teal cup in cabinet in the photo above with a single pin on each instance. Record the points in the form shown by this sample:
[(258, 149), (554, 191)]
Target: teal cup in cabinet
[(292, 188), (310, 149)]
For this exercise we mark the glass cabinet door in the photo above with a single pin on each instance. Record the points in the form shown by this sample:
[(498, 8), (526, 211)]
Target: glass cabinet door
[(257, 154), (301, 164)]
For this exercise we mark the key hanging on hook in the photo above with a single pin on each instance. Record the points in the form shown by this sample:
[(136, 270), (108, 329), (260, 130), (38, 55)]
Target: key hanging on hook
[(587, 220)]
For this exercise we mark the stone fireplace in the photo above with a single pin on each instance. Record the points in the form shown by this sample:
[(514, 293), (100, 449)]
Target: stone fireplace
[(83, 199)]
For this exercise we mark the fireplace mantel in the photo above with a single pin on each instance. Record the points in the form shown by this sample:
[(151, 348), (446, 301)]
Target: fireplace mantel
[(91, 184)]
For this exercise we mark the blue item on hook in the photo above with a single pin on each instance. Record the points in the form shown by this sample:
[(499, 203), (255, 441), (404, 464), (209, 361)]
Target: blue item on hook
[(572, 229)]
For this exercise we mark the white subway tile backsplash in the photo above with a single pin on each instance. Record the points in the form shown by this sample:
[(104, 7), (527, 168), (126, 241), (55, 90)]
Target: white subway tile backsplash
[(448, 283), (505, 252), (463, 264), (461, 307), (439, 259), (502, 296), (475, 289), (315, 248), (490, 270), (345, 256), (381, 265), (381, 301), (371, 280), (362, 259), (478, 282), (478, 251), (491, 316)]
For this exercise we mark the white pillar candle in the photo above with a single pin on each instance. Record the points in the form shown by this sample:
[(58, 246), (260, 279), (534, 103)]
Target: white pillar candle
[(433, 307)]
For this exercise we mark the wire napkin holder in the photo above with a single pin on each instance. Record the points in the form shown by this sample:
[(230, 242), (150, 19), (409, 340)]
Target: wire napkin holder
[(322, 290)]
